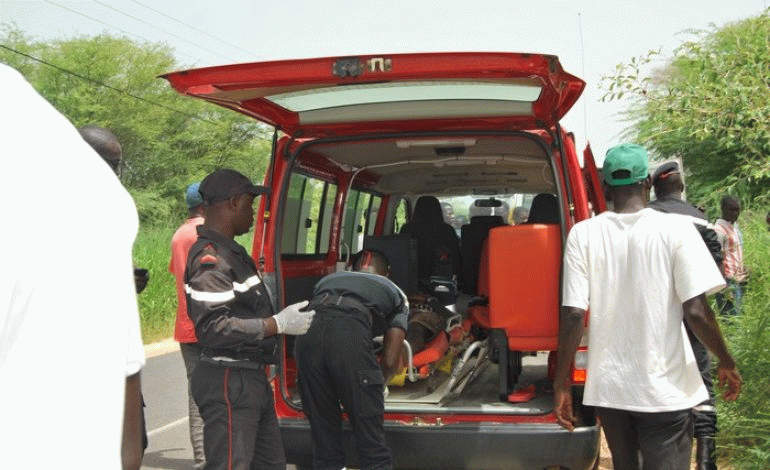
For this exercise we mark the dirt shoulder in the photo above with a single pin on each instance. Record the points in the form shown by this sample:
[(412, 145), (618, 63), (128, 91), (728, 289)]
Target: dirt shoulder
[(160, 347)]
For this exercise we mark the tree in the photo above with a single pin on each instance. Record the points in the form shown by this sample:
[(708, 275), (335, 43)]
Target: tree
[(168, 141), (709, 104)]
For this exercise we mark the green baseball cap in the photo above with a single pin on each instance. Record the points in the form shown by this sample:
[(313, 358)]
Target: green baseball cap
[(625, 164)]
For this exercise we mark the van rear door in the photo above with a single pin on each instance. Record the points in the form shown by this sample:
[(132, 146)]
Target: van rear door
[(400, 92)]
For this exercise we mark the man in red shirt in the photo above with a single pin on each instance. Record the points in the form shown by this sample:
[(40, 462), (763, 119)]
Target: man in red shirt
[(184, 331)]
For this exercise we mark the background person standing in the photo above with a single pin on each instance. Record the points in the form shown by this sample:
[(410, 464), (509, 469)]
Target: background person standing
[(184, 330), (106, 144), (668, 184), (640, 272), (733, 269)]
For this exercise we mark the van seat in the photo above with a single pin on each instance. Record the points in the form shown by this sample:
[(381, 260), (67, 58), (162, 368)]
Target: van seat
[(401, 253), (472, 238), (520, 269)]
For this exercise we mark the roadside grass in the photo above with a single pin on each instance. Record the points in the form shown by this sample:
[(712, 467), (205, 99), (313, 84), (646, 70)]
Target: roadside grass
[(744, 426), (157, 303)]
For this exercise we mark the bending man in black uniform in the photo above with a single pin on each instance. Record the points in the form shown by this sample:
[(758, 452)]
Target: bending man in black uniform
[(668, 184), (337, 365), (232, 312)]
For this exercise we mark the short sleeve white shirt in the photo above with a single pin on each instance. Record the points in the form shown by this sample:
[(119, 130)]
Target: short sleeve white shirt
[(69, 325), (634, 271)]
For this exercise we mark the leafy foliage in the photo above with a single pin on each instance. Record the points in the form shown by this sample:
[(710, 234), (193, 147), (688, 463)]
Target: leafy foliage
[(709, 104), (168, 141), (744, 425)]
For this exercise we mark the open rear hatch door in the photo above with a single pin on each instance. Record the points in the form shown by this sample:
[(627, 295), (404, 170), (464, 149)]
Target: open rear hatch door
[(400, 92)]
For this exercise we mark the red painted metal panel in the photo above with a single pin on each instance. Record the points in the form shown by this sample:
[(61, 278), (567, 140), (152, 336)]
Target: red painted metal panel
[(242, 87)]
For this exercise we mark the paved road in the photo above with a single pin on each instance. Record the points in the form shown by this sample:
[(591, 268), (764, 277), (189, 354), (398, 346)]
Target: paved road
[(164, 385)]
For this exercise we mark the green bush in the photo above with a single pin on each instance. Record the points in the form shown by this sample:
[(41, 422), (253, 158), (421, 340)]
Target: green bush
[(744, 426)]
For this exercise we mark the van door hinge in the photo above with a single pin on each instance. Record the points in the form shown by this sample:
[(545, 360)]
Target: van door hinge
[(417, 421)]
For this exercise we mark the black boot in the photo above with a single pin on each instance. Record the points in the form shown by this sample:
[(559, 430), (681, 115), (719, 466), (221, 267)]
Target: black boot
[(705, 453)]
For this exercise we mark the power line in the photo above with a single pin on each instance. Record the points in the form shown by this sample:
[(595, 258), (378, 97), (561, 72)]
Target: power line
[(165, 31), (197, 29), (105, 24), (102, 84)]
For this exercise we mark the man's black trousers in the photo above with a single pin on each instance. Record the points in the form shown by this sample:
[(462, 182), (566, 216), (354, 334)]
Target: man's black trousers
[(662, 440), (705, 414), (336, 365), (240, 428)]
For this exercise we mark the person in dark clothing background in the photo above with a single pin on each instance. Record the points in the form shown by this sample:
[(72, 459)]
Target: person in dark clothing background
[(106, 144), (438, 247), (232, 312), (668, 184), (337, 365)]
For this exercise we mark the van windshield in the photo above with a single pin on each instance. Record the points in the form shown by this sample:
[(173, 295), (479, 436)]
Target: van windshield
[(513, 208)]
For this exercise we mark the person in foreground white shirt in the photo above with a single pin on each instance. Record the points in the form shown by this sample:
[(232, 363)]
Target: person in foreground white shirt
[(70, 344), (641, 272)]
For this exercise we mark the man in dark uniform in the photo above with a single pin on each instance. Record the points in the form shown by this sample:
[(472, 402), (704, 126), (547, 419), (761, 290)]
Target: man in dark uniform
[(668, 184), (337, 365), (232, 312)]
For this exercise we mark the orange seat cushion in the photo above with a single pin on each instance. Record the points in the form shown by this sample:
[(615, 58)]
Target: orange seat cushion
[(521, 268)]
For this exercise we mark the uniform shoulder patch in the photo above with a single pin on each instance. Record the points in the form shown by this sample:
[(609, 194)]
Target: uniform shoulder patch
[(209, 258)]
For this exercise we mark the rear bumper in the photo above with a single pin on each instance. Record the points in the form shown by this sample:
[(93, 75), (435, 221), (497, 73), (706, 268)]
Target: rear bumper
[(487, 446)]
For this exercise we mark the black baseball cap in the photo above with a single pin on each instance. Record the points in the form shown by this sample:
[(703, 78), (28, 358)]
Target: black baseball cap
[(225, 183), (664, 171)]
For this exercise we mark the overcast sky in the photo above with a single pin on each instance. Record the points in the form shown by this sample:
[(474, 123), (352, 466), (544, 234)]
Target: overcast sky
[(228, 31)]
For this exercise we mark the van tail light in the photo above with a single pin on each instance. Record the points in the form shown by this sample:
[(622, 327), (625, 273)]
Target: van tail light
[(579, 369), (578, 374)]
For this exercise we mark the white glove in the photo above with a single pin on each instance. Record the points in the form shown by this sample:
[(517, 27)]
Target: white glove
[(291, 321)]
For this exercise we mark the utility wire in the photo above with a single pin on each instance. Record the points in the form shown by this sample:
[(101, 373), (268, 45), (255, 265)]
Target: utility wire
[(165, 31), (102, 84), (197, 29), (105, 24)]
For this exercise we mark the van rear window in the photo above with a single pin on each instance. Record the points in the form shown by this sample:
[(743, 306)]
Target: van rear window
[(307, 216)]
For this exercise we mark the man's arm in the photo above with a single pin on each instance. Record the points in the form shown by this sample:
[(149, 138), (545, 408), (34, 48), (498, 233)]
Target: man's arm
[(702, 321), (393, 342), (712, 242), (133, 424), (571, 326)]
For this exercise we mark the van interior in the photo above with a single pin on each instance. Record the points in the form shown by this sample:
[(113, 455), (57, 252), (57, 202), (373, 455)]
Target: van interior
[(498, 312)]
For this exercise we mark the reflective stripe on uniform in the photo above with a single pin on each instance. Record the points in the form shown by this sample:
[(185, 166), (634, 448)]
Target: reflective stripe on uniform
[(223, 296), (201, 296), (247, 284)]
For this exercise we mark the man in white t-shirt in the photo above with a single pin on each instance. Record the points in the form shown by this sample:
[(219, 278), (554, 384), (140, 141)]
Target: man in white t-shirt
[(70, 344), (640, 272)]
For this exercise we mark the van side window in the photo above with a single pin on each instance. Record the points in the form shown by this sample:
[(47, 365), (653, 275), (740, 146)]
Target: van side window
[(360, 218), (307, 216), (401, 216)]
